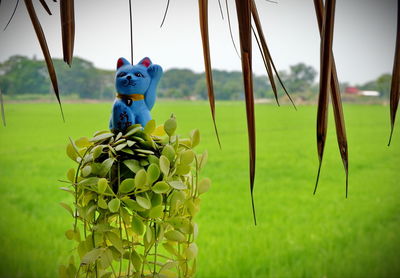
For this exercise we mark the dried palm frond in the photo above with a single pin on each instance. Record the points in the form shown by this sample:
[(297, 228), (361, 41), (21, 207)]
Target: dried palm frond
[(131, 29), (45, 49), (243, 9), (68, 29), (220, 9), (165, 14), (203, 15), (44, 4), (395, 86), (12, 15), (230, 28), (336, 100), (325, 80), (268, 62)]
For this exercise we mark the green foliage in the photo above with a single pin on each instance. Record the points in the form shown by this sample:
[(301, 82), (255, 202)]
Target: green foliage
[(134, 204)]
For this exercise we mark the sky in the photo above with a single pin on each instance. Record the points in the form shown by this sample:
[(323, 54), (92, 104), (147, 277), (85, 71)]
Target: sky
[(364, 35)]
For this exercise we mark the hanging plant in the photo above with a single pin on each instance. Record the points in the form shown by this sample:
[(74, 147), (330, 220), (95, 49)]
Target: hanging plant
[(135, 198)]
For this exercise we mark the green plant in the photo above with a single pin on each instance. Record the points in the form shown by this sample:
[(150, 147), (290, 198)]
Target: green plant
[(135, 198)]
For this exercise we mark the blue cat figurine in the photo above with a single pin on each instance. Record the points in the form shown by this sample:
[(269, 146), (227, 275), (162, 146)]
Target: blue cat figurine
[(136, 93)]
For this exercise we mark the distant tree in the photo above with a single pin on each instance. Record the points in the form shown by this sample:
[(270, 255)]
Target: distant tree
[(300, 78)]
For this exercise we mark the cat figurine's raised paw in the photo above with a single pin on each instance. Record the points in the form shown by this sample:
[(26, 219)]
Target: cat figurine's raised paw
[(136, 93)]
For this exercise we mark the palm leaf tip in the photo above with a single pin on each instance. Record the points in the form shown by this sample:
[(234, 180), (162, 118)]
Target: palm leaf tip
[(45, 49), (243, 11), (45, 6), (395, 85), (203, 16), (165, 14)]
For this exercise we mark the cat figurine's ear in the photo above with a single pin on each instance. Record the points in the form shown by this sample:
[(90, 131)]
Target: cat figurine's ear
[(145, 62), (122, 62)]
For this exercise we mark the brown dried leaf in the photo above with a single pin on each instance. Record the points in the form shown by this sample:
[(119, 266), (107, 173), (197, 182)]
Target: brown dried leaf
[(243, 9), (325, 80), (395, 86), (12, 15), (46, 53), (203, 15), (67, 12), (44, 4), (336, 101), (165, 14), (230, 28), (266, 54)]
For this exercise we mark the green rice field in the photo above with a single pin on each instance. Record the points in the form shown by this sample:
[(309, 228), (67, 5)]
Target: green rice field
[(297, 234)]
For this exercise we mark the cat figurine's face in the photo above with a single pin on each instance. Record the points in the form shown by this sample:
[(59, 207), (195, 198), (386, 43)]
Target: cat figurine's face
[(132, 79)]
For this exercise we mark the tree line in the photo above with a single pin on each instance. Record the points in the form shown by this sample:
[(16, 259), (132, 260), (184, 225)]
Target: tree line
[(20, 75)]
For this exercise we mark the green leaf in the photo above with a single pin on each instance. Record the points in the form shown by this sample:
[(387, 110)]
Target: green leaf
[(88, 181), (153, 172), (156, 212), (106, 259), (132, 131), (187, 157), (68, 208), (102, 185), (114, 204), (127, 186), (175, 235), (179, 222), (71, 152), (141, 178), (160, 187), (130, 143), (164, 165), (177, 185), (170, 126), (86, 171), (102, 137), (156, 199), (170, 248), (115, 240), (106, 166), (70, 234), (132, 165), (71, 175), (150, 127), (97, 151), (120, 146), (169, 152), (146, 152), (91, 256), (191, 251), (204, 185), (82, 142), (102, 203), (133, 205), (143, 202), (153, 159), (203, 159), (128, 151), (137, 225), (136, 261), (195, 137), (183, 169)]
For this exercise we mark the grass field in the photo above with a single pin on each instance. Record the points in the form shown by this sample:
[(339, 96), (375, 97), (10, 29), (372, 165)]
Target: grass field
[(298, 234)]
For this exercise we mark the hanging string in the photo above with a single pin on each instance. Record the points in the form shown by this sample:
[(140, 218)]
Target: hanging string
[(130, 21)]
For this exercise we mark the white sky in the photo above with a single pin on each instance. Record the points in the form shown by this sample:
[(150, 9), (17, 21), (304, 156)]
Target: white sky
[(364, 41)]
